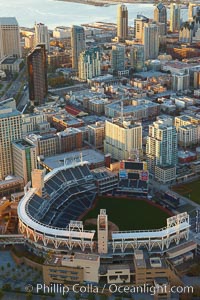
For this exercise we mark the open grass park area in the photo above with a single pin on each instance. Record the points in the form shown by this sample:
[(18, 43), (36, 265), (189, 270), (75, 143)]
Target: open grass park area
[(189, 190), (129, 213)]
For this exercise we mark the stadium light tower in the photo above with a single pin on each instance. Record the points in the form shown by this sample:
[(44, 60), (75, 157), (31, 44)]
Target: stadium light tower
[(102, 227)]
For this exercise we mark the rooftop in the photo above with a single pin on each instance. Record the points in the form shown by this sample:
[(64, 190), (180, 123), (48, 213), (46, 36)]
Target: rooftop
[(8, 112), (9, 61), (23, 144), (118, 267), (8, 21), (126, 123), (80, 256), (89, 155)]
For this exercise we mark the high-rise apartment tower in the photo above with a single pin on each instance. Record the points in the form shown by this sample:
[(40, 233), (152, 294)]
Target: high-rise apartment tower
[(122, 22), (77, 44), (42, 36), (37, 72)]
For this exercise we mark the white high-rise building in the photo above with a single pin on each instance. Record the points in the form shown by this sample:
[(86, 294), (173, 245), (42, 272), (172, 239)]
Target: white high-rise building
[(139, 26), (188, 135), (137, 57), (161, 149), (122, 22), (118, 58), (10, 130), (42, 35), (160, 15), (175, 21), (24, 159), (9, 38), (89, 64), (151, 40), (180, 82), (122, 138), (77, 44)]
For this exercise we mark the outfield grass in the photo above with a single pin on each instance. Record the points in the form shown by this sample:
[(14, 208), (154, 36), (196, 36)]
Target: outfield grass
[(129, 213), (190, 190)]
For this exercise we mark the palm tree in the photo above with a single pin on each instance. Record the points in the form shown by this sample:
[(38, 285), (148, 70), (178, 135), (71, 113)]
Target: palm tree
[(1, 294)]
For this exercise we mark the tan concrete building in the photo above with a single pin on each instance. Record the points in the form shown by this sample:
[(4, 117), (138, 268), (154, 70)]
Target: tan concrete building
[(47, 145), (182, 121), (12, 185), (54, 271), (122, 22), (77, 267), (139, 26), (150, 40), (32, 122), (89, 262), (165, 174), (96, 134), (70, 139), (121, 138), (11, 130), (147, 269), (118, 274), (24, 159), (37, 177), (41, 36), (9, 38), (188, 135), (11, 64)]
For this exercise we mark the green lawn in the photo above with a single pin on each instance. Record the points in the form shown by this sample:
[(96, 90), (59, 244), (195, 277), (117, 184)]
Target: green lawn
[(190, 190), (129, 213), (188, 208)]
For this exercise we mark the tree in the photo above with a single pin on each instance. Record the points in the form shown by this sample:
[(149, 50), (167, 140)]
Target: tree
[(1, 294), (8, 265), (77, 296), (103, 297), (6, 287), (91, 296), (29, 296)]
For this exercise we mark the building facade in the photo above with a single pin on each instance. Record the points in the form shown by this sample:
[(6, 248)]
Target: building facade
[(24, 159), (188, 135), (121, 138), (180, 82), (89, 65), (137, 57), (118, 58), (139, 26), (70, 139), (77, 44), (175, 21), (96, 134), (37, 75), (10, 130), (42, 36), (151, 40), (9, 38), (122, 22), (160, 15), (161, 148)]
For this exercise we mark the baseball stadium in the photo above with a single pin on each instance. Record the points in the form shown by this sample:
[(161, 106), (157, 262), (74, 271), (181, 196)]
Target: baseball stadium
[(52, 208)]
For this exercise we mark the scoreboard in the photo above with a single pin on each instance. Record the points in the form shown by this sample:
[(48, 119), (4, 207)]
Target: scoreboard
[(133, 170)]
